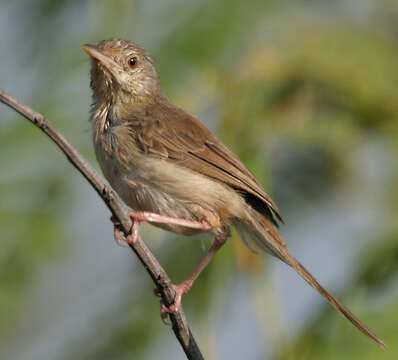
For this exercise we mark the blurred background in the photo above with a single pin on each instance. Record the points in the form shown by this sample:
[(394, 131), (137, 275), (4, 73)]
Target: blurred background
[(304, 91)]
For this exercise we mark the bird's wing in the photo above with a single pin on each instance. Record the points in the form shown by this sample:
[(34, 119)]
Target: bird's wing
[(173, 134)]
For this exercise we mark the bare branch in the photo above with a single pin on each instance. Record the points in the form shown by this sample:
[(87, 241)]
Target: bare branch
[(154, 269)]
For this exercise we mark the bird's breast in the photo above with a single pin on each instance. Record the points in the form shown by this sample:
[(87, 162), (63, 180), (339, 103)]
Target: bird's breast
[(149, 183)]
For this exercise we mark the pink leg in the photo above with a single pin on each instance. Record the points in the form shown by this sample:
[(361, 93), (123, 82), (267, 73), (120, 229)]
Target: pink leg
[(186, 285), (181, 289), (140, 216)]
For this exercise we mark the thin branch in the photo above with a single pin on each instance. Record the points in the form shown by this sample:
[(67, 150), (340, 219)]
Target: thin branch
[(154, 269)]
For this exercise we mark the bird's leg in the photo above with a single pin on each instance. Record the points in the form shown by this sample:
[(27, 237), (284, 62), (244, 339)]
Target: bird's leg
[(182, 288), (140, 216)]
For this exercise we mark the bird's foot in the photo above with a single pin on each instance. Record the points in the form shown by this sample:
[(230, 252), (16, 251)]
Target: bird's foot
[(120, 237), (180, 291), (164, 310)]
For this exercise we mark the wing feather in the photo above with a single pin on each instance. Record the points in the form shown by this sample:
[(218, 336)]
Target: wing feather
[(180, 137)]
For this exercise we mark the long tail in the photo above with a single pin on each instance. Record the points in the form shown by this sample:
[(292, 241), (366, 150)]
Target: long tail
[(266, 236), (335, 303)]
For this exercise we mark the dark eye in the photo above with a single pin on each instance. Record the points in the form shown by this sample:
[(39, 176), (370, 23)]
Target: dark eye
[(132, 62)]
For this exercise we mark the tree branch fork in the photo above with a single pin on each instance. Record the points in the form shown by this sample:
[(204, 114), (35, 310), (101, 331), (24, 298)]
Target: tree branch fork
[(159, 276)]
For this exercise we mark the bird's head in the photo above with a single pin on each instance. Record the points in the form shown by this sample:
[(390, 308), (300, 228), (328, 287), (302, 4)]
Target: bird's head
[(122, 72)]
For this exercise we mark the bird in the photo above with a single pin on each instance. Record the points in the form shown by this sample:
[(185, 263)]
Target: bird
[(173, 172)]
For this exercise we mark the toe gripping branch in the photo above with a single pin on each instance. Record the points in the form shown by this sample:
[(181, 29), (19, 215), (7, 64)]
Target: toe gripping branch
[(180, 290)]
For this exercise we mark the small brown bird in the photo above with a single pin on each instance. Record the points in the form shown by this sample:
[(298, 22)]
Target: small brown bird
[(172, 170)]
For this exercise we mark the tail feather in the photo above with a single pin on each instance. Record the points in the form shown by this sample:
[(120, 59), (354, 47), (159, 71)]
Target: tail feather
[(266, 236), (333, 301)]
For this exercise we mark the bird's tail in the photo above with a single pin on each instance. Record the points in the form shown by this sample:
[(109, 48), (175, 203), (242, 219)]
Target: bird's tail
[(265, 235)]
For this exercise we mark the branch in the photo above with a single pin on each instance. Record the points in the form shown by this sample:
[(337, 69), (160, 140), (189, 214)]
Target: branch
[(152, 266)]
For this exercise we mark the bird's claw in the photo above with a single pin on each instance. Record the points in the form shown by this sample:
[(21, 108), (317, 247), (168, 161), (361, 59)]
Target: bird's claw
[(120, 238), (180, 291), (164, 313)]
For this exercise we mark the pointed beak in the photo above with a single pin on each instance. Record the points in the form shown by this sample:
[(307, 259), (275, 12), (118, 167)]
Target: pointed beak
[(97, 55)]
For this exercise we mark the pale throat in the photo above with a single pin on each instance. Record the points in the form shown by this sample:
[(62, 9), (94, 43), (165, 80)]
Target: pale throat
[(112, 107), (113, 101)]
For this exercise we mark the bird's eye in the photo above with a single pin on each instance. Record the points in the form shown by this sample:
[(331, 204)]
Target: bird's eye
[(132, 62)]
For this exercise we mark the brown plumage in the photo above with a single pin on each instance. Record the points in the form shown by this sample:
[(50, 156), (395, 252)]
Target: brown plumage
[(160, 159)]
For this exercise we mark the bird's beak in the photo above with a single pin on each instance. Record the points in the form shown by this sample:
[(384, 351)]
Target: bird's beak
[(96, 54)]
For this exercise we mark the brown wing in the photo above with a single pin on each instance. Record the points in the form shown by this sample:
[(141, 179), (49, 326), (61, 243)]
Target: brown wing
[(180, 137)]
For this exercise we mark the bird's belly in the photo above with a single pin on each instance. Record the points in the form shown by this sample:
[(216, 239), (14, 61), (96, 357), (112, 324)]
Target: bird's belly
[(147, 195), (158, 186), (143, 192), (142, 189)]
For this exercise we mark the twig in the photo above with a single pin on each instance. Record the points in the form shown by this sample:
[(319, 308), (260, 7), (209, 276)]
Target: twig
[(154, 269)]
